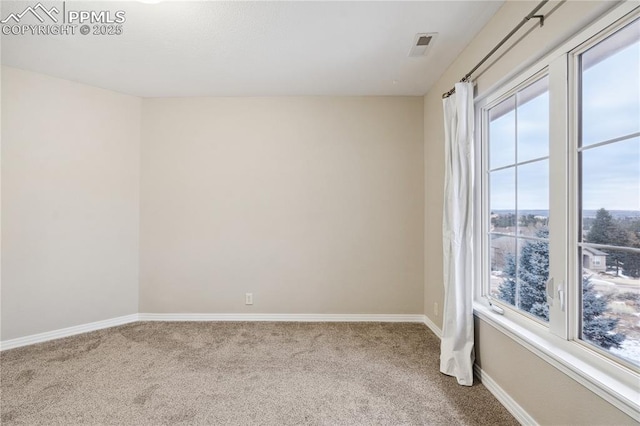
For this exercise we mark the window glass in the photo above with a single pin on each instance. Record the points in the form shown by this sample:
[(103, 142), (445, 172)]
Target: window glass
[(610, 300), (503, 201), (609, 254), (502, 134), (610, 181), (533, 121), (519, 199), (611, 87), (533, 197), (533, 273), (503, 268)]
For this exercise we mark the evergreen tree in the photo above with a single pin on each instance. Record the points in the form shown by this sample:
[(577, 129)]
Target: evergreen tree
[(505, 220), (528, 220), (595, 327), (507, 290), (605, 230), (632, 260), (602, 228), (632, 264), (533, 274)]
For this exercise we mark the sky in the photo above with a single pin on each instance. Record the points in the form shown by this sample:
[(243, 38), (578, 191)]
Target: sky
[(611, 173), (611, 108)]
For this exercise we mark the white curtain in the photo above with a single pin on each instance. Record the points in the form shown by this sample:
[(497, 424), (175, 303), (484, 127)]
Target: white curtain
[(456, 351)]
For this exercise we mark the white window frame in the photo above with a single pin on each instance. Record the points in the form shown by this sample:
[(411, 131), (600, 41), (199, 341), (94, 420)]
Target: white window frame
[(557, 343)]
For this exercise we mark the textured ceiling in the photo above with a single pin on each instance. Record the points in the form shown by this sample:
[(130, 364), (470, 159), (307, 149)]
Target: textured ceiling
[(185, 48)]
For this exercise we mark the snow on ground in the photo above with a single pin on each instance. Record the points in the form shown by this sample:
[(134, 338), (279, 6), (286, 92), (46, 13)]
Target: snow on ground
[(629, 350), (602, 282)]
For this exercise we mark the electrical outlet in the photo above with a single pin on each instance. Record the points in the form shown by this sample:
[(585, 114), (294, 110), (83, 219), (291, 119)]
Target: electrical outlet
[(248, 299), (435, 308)]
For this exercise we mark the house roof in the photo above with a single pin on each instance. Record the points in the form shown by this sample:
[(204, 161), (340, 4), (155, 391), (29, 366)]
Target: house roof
[(594, 252)]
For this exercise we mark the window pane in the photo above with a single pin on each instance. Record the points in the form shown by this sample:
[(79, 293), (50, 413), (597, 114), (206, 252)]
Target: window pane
[(611, 302), (610, 195), (503, 201), (533, 273), (533, 121), (502, 134), (503, 268), (611, 87), (533, 197), (610, 191)]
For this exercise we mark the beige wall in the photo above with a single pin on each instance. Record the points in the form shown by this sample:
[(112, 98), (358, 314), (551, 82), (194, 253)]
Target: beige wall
[(546, 394), (314, 205), (70, 203), (542, 390)]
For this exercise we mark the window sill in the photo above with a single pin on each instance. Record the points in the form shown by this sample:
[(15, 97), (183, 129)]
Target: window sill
[(570, 358)]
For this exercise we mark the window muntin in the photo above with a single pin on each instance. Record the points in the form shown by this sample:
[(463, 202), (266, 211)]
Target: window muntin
[(609, 194), (518, 176)]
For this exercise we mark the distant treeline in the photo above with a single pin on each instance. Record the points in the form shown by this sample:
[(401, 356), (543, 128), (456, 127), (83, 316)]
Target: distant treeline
[(617, 214)]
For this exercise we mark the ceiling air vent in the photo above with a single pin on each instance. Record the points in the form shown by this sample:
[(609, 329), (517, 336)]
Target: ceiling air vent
[(422, 43)]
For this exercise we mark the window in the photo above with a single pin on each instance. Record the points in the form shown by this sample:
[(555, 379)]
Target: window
[(609, 192), (559, 195), (518, 146)]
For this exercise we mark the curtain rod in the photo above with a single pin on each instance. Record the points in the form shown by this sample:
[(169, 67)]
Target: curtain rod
[(526, 19)]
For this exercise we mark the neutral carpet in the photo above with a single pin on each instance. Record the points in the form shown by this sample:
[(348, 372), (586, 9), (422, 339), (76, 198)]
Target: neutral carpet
[(157, 373)]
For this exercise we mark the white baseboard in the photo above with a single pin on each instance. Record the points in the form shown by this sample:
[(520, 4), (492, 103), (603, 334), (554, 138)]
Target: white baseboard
[(66, 332), (505, 399), (283, 317), (432, 326)]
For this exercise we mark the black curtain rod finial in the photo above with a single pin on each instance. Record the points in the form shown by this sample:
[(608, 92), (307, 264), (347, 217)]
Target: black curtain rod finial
[(449, 93)]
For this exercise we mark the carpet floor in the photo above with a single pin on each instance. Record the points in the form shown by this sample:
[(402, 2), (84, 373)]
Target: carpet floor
[(217, 373)]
